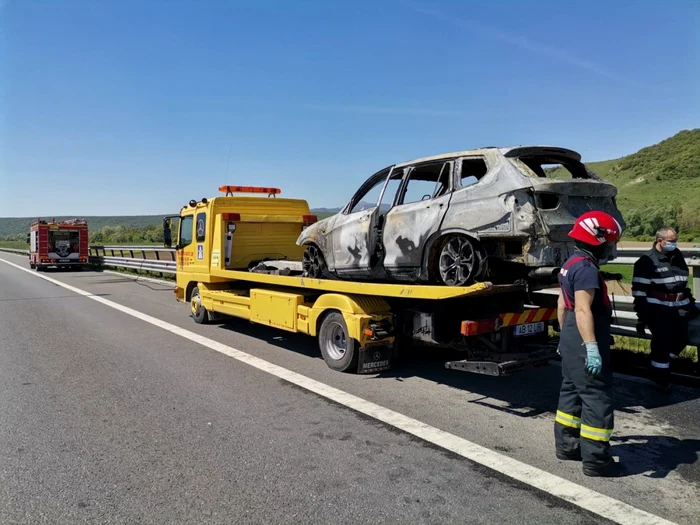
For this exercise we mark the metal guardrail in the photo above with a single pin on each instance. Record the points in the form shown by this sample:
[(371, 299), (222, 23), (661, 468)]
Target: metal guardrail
[(162, 260), (14, 250)]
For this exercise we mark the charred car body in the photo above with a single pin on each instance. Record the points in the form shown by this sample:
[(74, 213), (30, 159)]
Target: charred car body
[(498, 214)]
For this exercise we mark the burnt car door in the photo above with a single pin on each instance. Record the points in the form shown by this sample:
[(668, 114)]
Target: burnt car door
[(418, 212), (354, 233)]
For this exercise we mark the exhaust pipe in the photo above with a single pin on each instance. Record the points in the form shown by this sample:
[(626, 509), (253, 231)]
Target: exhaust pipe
[(546, 272)]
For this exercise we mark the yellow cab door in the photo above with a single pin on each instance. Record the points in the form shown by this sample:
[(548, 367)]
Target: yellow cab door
[(192, 245)]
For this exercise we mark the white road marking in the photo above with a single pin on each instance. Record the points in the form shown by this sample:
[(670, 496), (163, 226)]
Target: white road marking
[(590, 500)]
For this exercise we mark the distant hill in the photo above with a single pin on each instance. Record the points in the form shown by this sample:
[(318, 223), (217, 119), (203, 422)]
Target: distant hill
[(658, 184), (11, 226)]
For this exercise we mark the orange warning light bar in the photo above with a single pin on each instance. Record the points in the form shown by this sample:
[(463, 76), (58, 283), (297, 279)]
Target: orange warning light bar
[(228, 190)]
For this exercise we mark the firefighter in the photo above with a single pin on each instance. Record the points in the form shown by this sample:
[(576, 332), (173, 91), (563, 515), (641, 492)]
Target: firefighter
[(663, 302), (584, 419)]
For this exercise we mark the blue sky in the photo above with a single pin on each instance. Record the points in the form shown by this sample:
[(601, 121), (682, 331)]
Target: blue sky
[(135, 106)]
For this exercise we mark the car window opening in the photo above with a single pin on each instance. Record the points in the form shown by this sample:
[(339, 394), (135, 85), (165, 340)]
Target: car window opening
[(427, 182), (555, 168), (473, 170)]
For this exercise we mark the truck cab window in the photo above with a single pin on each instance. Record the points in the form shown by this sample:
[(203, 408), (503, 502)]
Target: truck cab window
[(186, 227), (201, 227)]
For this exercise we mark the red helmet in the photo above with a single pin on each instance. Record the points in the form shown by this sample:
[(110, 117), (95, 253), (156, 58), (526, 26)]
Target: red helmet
[(596, 228)]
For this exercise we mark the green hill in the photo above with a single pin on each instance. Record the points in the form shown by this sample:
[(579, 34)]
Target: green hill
[(13, 226), (659, 184)]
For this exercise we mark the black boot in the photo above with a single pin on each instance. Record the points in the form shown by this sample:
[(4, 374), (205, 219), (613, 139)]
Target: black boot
[(609, 470), (569, 456)]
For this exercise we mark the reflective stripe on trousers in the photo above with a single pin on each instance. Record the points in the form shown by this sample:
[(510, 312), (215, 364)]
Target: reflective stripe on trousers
[(568, 420), (584, 420)]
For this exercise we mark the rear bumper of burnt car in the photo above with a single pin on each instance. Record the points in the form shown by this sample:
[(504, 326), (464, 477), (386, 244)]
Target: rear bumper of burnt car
[(544, 253)]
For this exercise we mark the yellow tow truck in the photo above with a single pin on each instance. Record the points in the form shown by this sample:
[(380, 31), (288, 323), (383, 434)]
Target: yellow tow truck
[(237, 256)]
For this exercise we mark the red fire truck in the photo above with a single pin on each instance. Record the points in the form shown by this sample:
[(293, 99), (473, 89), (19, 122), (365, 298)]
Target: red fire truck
[(62, 244)]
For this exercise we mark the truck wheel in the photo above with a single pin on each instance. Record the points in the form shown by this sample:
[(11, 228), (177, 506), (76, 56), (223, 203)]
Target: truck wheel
[(339, 351), (199, 313), (32, 266)]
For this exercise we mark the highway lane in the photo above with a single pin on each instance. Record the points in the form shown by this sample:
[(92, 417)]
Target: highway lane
[(512, 415), (105, 418)]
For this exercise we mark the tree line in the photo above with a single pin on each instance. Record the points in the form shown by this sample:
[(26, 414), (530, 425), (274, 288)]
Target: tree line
[(641, 225)]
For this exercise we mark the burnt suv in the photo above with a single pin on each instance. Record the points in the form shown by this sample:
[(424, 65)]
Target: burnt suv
[(497, 214)]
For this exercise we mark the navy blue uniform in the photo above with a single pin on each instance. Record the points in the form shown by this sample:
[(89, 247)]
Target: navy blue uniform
[(584, 420), (664, 303)]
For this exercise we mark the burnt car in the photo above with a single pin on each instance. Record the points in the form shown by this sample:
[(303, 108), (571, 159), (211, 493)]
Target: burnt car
[(497, 214)]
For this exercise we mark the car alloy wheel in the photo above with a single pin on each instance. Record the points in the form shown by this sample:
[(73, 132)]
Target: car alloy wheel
[(313, 263), (458, 261)]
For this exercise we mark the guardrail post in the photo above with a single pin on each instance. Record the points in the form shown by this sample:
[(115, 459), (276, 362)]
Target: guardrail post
[(695, 272)]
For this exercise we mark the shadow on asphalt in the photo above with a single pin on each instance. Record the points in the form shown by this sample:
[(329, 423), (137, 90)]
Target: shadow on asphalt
[(656, 456), (529, 393)]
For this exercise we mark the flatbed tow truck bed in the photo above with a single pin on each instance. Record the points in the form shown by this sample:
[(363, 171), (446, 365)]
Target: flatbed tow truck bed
[(362, 326)]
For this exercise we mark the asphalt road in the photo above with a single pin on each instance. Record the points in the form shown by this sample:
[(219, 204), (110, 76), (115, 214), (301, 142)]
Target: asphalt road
[(105, 418)]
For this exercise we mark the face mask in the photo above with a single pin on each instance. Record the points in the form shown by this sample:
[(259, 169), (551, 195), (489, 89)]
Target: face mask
[(669, 246)]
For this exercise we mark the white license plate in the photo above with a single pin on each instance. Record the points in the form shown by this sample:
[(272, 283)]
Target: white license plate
[(528, 329)]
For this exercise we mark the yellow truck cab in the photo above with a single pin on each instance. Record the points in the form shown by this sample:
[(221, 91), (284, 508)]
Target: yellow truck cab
[(236, 232), (237, 256)]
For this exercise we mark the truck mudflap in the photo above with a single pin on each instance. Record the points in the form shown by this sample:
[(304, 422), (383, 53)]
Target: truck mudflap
[(375, 358)]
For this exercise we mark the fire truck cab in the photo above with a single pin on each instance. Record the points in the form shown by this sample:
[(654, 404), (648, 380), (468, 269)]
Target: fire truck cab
[(60, 244)]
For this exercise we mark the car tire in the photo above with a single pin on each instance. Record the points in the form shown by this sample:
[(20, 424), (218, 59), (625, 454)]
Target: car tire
[(314, 263), (199, 313), (458, 261), (339, 350)]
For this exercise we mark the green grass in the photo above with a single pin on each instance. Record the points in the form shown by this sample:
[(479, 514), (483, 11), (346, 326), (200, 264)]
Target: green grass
[(18, 245)]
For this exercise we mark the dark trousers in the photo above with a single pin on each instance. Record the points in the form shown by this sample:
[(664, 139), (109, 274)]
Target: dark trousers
[(584, 420), (669, 333)]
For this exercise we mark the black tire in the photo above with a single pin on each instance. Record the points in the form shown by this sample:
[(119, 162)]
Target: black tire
[(458, 261), (199, 313), (339, 350), (32, 266), (314, 263)]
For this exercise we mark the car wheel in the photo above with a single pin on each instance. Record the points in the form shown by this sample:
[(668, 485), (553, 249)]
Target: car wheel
[(339, 350), (458, 261), (199, 313), (314, 264)]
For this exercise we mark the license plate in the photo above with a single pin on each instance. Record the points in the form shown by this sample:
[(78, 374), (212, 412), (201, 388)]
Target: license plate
[(528, 329), (64, 260)]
